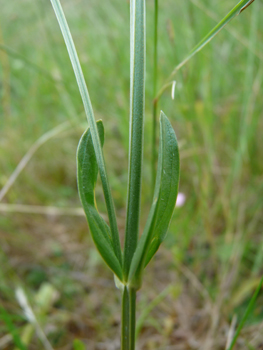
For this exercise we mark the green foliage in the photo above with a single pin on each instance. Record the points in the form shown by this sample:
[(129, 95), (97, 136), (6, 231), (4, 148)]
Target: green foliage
[(91, 119), (137, 102), (217, 221), (7, 319), (87, 177), (90, 160), (165, 195)]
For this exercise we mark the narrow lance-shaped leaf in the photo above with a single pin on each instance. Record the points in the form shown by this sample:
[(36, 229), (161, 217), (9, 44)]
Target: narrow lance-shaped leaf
[(92, 123), (165, 194), (242, 5), (87, 171)]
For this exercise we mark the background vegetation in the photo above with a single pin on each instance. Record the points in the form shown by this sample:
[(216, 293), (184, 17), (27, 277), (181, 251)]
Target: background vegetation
[(211, 261)]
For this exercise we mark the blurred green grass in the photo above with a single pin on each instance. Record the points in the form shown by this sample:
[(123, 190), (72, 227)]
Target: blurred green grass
[(215, 239)]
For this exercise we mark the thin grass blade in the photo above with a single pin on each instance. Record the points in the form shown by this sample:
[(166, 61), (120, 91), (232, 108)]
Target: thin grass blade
[(246, 314), (92, 123), (165, 194), (242, 5), (87, 170)]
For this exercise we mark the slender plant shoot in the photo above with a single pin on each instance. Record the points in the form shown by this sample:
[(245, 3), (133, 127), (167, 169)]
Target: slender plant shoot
[(127, 267), (128, 264)]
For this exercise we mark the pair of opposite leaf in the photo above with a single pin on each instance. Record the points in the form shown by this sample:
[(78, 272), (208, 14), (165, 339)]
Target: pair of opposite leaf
[(165, 194)]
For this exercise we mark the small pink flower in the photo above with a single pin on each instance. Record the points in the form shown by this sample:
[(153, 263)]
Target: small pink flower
[(180, 199)]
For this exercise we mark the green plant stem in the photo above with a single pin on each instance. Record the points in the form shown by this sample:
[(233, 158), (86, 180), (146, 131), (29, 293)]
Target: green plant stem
[(154, 136), (92, 123), (128, 319), (155, 101), (137, 92)]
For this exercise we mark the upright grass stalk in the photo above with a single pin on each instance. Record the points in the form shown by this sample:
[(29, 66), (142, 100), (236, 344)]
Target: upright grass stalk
[(137, 97), (155, 101), (128, 324)]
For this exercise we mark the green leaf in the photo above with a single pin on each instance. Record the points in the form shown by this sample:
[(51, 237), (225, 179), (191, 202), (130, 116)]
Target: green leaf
[(92, 123), (165, 194), (242, 5), (87, 171)]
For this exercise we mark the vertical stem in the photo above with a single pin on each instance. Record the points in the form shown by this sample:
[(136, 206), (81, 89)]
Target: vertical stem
[(132, 318), (248, 91), (154, 154), (128, 319), (137, 92), (92, 123), (125, 321), (155, 101)]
